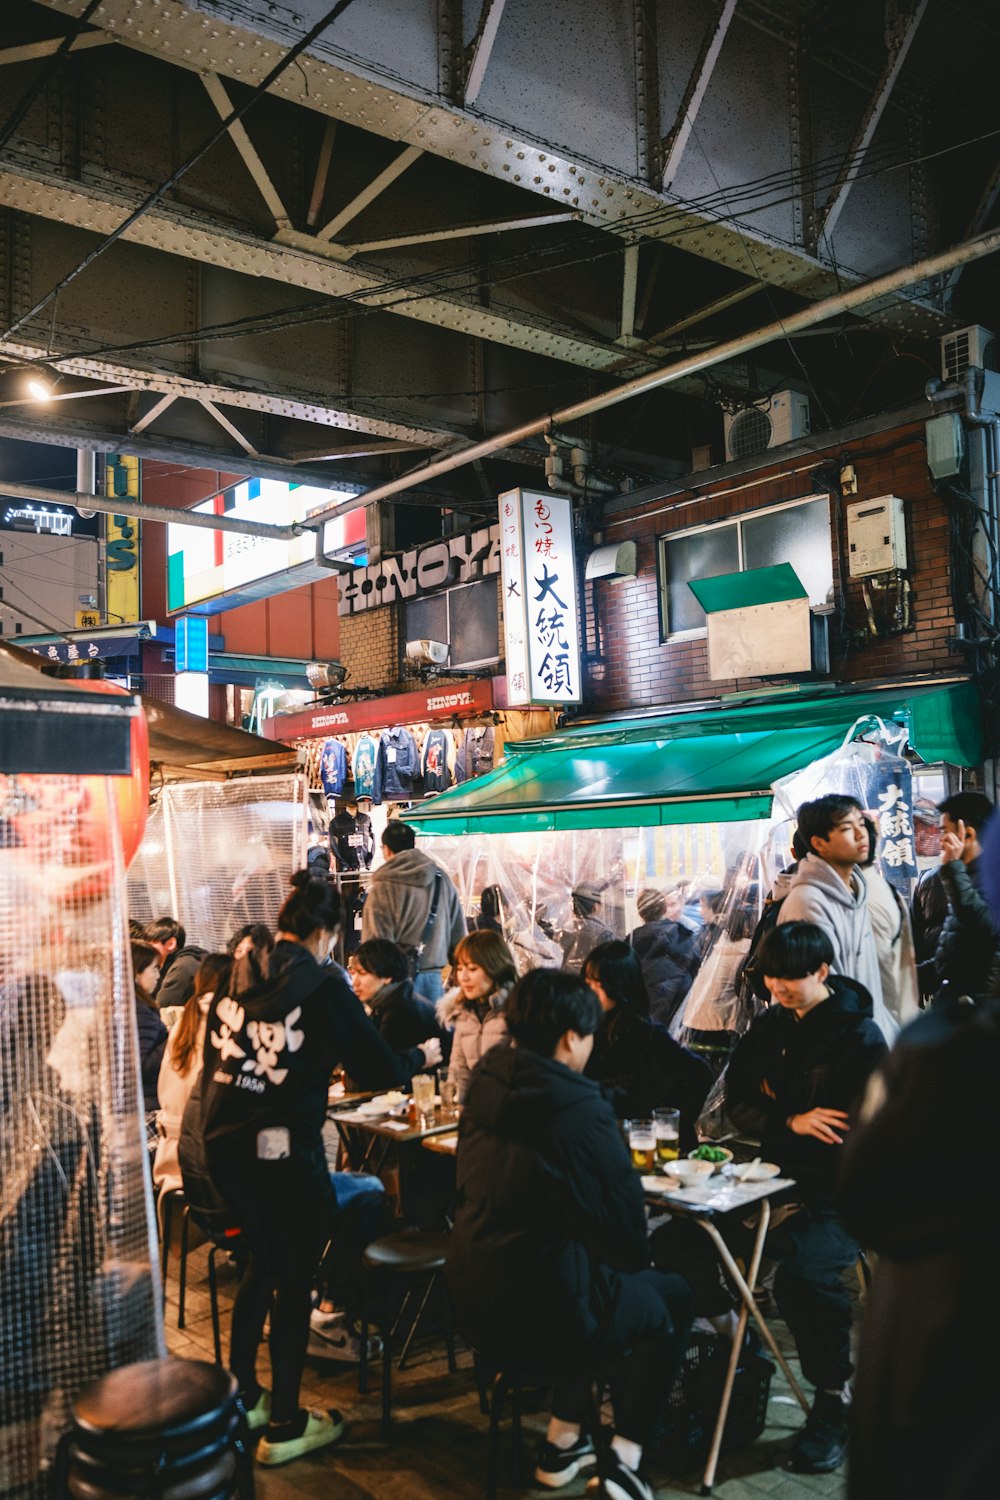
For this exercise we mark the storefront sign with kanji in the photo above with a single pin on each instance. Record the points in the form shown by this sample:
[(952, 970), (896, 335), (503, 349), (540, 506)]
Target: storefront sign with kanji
[(540, 617)]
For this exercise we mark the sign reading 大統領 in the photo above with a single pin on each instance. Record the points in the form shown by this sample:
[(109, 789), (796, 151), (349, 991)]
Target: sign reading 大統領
[(540, 617)]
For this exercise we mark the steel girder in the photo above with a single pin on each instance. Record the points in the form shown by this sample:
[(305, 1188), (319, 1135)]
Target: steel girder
[(556, 114)]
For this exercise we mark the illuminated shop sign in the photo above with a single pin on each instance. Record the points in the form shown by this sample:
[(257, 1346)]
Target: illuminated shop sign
[(540, 617), (422, 570), (209, 571)]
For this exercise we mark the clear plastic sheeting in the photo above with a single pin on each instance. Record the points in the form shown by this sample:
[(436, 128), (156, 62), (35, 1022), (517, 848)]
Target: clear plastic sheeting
[(217, 855), (78, 1260)]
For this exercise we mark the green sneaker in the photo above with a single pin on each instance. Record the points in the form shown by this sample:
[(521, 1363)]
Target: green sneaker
[(259, 1414), (321, 1428)]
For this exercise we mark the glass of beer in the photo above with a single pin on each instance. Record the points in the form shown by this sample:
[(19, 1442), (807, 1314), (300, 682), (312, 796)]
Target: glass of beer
[(642, 1144), (449, 1094), (423, 1093), (667, 1127)]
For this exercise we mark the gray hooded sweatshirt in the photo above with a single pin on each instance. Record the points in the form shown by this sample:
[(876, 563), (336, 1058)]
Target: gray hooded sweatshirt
[(817, 894), (399, 902)]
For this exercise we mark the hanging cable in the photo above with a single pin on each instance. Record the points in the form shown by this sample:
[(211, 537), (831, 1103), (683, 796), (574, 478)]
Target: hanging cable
[(156, 197)]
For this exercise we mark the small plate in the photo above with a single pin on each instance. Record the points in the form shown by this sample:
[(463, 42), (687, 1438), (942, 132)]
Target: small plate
[(754, 1171), (374, 1107), (659, 1184)]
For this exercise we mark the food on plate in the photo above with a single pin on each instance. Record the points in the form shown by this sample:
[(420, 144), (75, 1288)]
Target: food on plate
[(692, 1170), (716, 1154)]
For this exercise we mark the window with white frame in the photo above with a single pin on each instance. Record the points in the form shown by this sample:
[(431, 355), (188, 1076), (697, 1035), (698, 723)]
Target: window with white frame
[(797, 533)]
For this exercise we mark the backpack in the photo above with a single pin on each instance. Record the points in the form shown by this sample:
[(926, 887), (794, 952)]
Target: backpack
[(750, 987)]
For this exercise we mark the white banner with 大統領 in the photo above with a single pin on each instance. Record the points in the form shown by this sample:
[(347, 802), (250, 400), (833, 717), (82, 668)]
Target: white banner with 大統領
[(540, 615)]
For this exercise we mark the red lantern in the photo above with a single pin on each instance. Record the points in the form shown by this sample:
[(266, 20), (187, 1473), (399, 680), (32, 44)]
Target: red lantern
[(63, 823)]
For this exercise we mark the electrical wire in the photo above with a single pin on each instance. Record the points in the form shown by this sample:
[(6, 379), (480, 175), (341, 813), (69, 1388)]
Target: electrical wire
[(192, 160), (20, 609), (33, 91), (538, 260)]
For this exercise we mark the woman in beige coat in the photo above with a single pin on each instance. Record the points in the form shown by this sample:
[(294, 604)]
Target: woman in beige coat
[(484, 969)]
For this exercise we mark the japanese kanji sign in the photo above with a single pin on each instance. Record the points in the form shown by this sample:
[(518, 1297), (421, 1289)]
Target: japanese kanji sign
[(540, 617)]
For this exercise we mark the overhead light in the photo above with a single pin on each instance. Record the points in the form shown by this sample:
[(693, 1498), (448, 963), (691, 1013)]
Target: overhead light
[(40, 388)]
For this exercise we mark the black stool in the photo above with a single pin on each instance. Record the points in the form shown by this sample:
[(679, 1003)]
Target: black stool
[(419, 1256), (498, 1379), (172, 1429), (174, 1197)]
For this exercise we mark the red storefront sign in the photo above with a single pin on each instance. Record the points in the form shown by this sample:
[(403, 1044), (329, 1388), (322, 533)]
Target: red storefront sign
[(443, 701)]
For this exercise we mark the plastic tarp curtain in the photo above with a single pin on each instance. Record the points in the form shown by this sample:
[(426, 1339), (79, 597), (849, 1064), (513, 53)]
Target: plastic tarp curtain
[(78, 1257), (217, 855)]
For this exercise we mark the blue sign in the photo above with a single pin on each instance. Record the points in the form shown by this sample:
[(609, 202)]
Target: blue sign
[(191, 644)]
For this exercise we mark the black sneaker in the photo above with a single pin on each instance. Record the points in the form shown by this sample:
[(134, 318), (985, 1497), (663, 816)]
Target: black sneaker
[(622, 1483), (557, 1466), (822, 1444)]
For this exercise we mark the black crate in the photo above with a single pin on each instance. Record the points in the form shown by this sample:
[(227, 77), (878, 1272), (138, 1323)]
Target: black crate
[(693, 1404)]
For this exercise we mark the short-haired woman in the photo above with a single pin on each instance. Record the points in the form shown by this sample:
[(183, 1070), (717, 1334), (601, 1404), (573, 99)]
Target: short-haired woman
[(485, 972)]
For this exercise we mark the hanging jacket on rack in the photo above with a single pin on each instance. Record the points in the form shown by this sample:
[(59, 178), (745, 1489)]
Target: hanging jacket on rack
[(398, 762), (333, 768), (364, 761), (475, 756), (352, 842), (436, 760)]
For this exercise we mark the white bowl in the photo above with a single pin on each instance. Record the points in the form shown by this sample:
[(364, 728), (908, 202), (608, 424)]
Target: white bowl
[(754, 1171), (688, 1172)]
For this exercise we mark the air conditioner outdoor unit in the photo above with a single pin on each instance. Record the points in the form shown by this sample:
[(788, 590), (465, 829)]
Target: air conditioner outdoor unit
[(775, 420), (968, 346)]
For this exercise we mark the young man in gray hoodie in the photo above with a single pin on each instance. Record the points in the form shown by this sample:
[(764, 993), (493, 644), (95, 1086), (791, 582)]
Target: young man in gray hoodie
[(400, 899), (826, 889)]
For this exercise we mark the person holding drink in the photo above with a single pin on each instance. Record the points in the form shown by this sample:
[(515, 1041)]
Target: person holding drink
[(640, 1066)]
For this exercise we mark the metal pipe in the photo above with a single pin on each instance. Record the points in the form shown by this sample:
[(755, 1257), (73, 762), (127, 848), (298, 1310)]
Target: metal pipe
[(112, 506), (840, 302)]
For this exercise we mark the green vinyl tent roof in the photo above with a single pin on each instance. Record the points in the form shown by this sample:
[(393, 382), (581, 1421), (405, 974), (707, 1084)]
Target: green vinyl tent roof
[(707, 767)]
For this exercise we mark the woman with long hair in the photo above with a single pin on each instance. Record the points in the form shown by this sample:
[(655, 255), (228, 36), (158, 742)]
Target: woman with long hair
[(636, 1059), (152, 1032), (485, 973), (181, 1065), (270, 1051)]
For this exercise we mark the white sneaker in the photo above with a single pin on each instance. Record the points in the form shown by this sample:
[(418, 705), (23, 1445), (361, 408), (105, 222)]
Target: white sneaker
[(341, 1343), (324, 1320), (322, 1428)]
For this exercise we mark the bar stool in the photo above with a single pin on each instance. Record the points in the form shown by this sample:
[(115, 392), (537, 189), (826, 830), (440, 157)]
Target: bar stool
[(169, 1429), (498, 1379), (417, 1256), (169, 1200)]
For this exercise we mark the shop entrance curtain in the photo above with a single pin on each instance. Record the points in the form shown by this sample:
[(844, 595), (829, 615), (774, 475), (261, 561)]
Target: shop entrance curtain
[(716, 766)]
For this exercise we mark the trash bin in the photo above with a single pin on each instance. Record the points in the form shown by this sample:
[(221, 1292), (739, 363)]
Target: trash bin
[(172, 1429)]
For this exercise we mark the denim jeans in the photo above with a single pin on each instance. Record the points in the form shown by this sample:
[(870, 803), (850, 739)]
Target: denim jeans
[(427, 983)]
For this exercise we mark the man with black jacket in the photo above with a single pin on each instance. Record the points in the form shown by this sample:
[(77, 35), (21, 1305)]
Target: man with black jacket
[(549, 1260), (968, 941), (793, 1080), (178, 963)]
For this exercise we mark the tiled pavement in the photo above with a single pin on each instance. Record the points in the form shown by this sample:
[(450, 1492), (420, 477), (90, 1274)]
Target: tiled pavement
[(439, 1439)]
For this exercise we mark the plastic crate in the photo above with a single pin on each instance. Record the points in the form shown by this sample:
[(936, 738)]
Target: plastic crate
[(693, 1403)]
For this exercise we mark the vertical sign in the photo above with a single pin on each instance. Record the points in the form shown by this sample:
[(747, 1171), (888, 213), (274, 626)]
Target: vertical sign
[(541, 627), (121, 478)]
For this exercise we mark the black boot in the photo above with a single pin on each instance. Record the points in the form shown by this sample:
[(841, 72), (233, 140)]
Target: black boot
[(821, 1445)]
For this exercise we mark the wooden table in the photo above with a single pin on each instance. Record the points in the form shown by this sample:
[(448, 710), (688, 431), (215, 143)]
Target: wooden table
[(720, 1196), (442, 1145), (366, 1138)]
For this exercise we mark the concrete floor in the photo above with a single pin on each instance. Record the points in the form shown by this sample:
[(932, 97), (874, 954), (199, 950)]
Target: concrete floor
[(439, 1439)]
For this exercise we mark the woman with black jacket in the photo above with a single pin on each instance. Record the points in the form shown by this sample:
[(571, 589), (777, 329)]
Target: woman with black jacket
[(269, 1053), (640, 1065)]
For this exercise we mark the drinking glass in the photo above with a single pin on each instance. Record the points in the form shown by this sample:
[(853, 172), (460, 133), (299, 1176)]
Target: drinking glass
[(642, 1144), (423, 1093), (667, 1128), (449, 1094)]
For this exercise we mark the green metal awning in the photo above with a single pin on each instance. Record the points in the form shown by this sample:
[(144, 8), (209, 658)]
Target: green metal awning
[(714, 766)]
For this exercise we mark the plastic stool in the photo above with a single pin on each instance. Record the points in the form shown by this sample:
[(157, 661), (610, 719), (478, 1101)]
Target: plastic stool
[(173, 1429)]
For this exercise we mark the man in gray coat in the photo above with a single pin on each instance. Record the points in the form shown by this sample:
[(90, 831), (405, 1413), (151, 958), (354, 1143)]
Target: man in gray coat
[(826, 889), (399, 903)]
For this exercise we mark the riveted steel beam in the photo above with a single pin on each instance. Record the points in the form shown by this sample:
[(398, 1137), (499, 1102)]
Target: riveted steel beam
[(296, 260), (697, 86)]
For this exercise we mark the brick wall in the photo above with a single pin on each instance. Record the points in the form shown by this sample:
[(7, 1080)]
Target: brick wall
[(638, 670), (369, 647)]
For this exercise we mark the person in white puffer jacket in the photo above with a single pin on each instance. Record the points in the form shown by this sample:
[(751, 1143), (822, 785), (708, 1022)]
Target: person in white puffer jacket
[(474, 1010)]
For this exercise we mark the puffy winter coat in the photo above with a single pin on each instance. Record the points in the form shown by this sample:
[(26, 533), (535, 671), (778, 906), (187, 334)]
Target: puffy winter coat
[(177, 976), (403, 1018), (787, 1066), (173, 1091), (969, 941), (152, 1040), (548, 1209), (474, 1030), (669, 955)]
